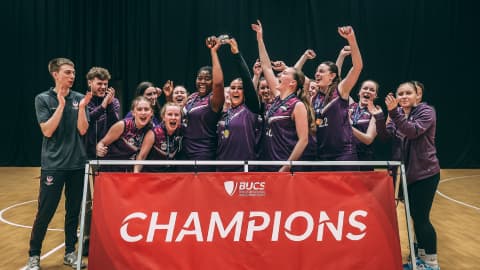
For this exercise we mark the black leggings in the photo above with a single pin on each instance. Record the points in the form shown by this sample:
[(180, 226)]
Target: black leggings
[(420, 195)]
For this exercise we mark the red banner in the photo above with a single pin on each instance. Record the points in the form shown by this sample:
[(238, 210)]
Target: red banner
[(262, 221)]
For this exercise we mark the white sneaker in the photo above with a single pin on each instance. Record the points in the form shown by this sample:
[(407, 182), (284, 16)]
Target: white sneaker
[(33, 263), (71, 259)]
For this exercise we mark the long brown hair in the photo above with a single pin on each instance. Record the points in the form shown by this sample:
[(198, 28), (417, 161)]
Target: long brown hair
[(331, 88), (303, 95)]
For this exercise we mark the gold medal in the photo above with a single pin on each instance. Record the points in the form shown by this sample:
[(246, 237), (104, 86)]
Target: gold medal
[(319, 121), (226, 133)]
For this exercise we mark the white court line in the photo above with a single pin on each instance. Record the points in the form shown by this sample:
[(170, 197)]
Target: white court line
[(47, 254), (19, 225), (452, 199), (29, 227)]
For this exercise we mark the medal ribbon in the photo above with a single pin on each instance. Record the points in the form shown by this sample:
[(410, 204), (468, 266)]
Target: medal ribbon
[(277, 104)]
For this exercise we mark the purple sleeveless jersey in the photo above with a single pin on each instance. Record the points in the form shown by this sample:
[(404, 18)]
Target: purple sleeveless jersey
[(238, 135), (127, 146), (334, 133), (165, 147), (360, 118), (280, 132), (200, 122)]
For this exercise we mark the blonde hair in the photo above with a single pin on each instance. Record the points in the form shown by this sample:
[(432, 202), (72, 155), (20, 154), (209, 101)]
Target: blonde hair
[(164, 109)]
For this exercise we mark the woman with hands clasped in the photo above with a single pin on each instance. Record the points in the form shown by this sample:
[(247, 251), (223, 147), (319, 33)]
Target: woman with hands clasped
[(287, 119), (414, 125)]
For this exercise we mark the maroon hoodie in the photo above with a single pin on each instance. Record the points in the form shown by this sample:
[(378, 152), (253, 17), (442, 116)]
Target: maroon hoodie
[(417, 136)]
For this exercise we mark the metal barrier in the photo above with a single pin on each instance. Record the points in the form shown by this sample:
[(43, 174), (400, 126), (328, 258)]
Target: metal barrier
[(89, 172)]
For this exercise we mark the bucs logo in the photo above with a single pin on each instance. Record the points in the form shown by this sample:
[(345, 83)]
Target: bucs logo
[(230, 187)]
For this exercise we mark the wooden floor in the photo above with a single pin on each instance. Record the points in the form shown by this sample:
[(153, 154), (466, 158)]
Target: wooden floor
[(455, 215)]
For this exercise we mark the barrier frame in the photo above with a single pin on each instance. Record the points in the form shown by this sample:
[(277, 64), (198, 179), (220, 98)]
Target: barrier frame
[(89, 171)]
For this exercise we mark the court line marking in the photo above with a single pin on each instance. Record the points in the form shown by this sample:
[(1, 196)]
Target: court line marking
[(47, 254), (454, 200), (19, 225)]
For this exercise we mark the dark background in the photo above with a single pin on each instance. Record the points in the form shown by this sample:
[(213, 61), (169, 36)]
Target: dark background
[(429, 41)]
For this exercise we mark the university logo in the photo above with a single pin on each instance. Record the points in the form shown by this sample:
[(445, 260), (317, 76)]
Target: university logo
[(49, 180), (75, 105), (245, 188), (230, 187)]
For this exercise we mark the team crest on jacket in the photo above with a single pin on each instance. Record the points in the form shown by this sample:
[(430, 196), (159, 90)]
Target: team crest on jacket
[(49, 180), (75, 105)]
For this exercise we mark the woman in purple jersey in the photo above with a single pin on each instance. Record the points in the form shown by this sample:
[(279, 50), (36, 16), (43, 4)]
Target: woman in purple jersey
[(202, 111), (310, 152), (287, 120), (150, 92), (239, 129), (334, 133), (415, 125), (363, 118), (164, 141), (124, 138), (180, 95)]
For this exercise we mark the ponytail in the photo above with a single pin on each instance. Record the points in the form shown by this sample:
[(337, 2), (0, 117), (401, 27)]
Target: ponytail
[(304, 97)]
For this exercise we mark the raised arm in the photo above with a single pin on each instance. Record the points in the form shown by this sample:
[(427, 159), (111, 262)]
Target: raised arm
[(168, 90), (50, 125), (147, 144), (265, 59), (251, 97), (257, 71), (346, 85), (82, 120), (218, 97), (309, 54), (344, 52)]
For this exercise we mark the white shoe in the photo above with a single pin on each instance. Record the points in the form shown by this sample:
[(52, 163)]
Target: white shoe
[(33, 263)]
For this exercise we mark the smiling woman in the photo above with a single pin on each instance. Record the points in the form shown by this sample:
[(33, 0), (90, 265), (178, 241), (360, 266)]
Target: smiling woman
[(164, 141), (124, 139), (151, 93), (202, 111), (364, 117), (239, 128), (413, 127)]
